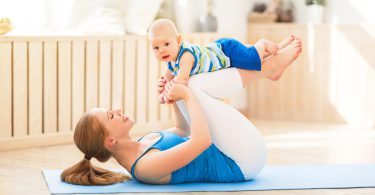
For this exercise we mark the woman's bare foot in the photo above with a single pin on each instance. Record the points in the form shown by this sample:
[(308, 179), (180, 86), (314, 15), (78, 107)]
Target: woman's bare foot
[(282, 60), (286, 41)]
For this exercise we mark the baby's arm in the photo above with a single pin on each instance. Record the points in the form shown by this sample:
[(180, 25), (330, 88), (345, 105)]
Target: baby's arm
[(186, 64), (167, 75)]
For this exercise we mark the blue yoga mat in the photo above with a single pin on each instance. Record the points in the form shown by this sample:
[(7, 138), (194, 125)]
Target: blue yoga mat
[(276, 177)]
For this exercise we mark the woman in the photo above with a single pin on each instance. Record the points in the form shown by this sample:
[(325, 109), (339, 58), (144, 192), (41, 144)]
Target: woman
[(223, 145)]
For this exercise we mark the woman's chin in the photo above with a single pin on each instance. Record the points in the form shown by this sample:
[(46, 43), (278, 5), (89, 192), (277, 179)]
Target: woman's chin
[(131, 123)]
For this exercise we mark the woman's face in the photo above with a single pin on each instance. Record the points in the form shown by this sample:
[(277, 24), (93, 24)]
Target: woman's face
[(115, 123)]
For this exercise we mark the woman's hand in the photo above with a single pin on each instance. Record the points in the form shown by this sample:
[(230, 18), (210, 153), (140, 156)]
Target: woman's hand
[(161, 90), (174, 91)]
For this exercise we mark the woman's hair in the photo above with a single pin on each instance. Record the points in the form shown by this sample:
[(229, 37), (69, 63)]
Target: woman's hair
[(89, 137)]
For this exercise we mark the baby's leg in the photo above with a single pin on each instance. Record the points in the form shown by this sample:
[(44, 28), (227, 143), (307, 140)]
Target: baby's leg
[(225, 83), (273, 66), (240, 55), (281, 45), (282, 60), (265, 47)]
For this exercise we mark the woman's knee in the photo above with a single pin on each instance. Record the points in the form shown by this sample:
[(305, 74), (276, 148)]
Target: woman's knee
[(219, 84)]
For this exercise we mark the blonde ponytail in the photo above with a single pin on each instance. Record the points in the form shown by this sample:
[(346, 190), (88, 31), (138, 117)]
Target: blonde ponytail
[(84, 173)]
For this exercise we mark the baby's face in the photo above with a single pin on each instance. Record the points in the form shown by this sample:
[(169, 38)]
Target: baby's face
[(165, 48)]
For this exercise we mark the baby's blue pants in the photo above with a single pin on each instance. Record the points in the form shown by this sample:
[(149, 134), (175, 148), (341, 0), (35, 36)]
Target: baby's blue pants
[(240, 56)]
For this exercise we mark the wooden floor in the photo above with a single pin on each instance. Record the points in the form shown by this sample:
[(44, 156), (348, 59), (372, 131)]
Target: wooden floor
[(288, 143)]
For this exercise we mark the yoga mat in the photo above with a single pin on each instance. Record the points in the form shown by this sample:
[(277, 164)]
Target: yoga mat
[(275, 177)]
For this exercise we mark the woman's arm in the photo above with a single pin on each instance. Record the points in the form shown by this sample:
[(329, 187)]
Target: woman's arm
[(156, 165), (182, 127)]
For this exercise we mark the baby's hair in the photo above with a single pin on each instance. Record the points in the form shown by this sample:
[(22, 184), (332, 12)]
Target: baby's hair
[(162, 25)]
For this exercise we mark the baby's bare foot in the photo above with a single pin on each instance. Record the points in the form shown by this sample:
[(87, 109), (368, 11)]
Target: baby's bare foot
[(284, 58), (286, 41), (271, 47)]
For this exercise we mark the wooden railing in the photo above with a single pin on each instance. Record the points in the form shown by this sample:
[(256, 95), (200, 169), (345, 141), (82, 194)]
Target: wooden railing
[(46, 83)]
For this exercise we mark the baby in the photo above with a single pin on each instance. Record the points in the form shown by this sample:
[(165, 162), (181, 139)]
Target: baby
[(185, 59)]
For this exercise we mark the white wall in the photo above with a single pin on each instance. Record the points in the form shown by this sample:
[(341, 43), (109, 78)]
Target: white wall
[(350, 11), (233, 14), (232, 17), (187, 14), (341, 11)]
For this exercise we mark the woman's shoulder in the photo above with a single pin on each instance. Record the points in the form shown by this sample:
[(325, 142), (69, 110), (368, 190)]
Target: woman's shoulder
[(143, 167)]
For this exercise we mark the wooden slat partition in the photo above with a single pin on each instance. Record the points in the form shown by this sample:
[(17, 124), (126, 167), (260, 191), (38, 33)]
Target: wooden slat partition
[(35, 91), (332, 81), (130, 77), (117, 74), (141, 81), (92, 74), (6, 85), (50, 87), (20, 89), (105, 67), (153, 75), (64, 93), (78, 81), (47, 83)]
